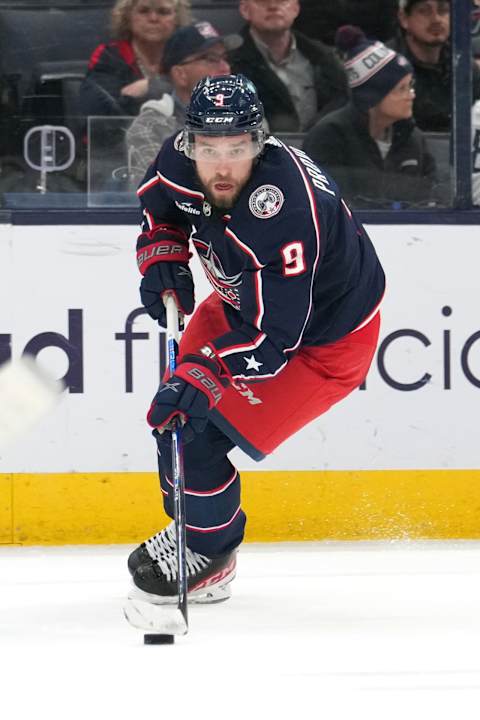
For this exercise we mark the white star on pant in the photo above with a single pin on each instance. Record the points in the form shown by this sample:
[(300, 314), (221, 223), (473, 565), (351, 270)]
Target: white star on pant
[(252, 364)]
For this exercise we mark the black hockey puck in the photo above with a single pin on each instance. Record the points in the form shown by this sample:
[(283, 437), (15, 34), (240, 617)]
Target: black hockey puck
[(157, 639)]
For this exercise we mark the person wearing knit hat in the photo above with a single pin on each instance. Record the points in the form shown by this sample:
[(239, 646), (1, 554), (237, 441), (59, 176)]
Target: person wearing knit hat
[(408, 4), (373, 70), (371, 146)]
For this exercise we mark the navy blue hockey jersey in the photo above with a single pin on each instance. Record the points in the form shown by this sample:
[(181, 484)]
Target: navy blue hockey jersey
[(290, 261)]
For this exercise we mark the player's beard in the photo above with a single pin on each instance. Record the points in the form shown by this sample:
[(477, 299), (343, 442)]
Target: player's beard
[(217, 203)]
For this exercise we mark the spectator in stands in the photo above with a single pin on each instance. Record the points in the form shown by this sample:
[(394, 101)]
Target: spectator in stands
[(424, 31), (297, 79), (476, 31), (371, 146), (320, 20), (476, 51), (122, 74), (8, 110), (476, 153), (190, 53)]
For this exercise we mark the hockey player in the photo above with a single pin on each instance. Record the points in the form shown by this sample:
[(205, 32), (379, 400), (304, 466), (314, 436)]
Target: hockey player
[(290, 327)]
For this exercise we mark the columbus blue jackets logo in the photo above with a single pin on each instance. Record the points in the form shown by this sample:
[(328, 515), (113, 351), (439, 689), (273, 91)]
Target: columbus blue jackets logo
[(266, 201), (227, 286)]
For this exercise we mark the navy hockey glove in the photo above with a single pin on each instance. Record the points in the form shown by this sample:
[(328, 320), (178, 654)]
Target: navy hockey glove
[(188, 395), (167, 277), (162, 256)]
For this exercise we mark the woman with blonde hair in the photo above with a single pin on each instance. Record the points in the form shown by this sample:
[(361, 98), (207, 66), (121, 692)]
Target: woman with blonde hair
[(126, 71)]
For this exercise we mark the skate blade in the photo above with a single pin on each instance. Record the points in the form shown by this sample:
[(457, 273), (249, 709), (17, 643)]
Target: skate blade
[(202, 596), (162, 619), (206, 596), (212, 593)]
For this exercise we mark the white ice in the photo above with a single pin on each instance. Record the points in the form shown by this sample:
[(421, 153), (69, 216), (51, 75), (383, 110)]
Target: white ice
[(313, 630)]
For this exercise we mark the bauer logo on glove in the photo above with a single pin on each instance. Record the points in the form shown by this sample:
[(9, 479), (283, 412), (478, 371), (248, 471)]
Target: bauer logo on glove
[(162, 258), (189, 395)]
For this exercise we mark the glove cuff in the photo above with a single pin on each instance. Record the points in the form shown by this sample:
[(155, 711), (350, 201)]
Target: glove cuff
[(203, 378), (207, 358), (165, 250)]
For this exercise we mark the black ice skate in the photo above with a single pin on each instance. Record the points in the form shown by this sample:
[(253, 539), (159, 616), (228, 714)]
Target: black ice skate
[(208, 578), (144, 553)]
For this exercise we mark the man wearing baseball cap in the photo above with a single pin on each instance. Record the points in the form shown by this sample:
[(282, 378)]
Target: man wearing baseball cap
[(192, 52), (424, 32)]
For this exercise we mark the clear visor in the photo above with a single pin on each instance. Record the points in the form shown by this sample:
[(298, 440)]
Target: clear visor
[(223, 148)]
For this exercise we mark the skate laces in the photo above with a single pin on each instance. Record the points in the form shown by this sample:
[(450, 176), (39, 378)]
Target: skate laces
[(162, 548)]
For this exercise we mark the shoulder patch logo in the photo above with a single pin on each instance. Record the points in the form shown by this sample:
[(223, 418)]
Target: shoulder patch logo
[(266, 201)]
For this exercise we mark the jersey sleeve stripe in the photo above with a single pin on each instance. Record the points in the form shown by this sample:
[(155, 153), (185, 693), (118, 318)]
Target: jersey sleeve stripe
[(146, 186), (159, 178), (263, 376), (259, 299), (243, 348), (180, 188)]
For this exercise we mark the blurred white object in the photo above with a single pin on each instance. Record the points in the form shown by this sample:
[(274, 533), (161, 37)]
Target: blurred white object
[(27, 394)]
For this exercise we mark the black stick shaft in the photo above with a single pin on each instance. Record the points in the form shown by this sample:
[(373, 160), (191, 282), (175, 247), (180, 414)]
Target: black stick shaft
[(178, 479)]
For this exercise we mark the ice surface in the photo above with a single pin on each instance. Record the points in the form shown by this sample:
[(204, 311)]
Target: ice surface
[(317, 630)]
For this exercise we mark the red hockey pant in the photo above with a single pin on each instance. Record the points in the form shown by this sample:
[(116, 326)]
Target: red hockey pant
[(314, 379)]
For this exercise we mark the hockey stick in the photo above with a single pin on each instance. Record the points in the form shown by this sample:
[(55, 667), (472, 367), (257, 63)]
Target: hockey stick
[(27, 394), (165, 619), (178, 477)]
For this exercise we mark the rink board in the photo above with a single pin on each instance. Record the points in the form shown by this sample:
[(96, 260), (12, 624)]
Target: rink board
[(397, 458), (126, 507)]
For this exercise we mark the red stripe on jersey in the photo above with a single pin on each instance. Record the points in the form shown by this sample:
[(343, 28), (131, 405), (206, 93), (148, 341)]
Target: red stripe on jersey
[(242, 348), (169, 232), (180, 188), (149, 184)]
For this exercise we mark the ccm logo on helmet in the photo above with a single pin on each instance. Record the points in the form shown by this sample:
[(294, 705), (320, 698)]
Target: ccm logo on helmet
[(220, 120)]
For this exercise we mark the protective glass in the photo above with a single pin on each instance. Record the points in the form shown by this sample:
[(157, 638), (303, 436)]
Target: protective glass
[(234, 148)]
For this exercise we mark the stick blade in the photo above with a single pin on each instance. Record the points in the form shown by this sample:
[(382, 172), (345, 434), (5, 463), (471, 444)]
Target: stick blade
[(163, 619), (27, 394)]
